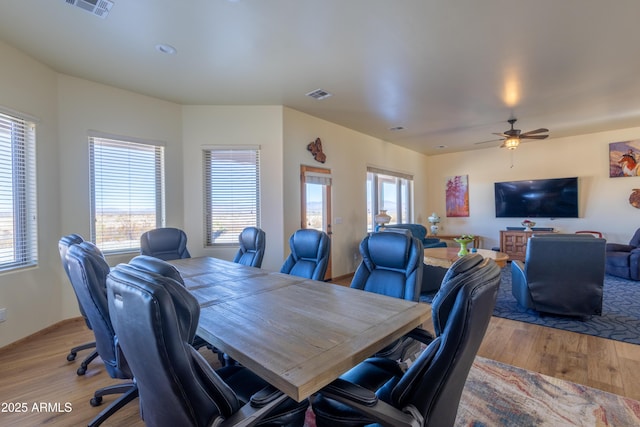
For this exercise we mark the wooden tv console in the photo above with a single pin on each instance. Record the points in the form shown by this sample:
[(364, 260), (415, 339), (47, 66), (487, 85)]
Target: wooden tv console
[(514, 242)]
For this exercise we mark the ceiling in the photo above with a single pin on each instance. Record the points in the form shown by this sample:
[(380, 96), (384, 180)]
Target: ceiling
[(450, 72)]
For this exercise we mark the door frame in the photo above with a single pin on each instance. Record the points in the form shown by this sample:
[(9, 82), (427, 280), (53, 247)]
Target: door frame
[(303, 205)]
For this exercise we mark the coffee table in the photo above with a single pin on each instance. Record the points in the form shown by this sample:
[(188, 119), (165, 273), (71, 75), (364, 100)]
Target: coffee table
[(444, 257)]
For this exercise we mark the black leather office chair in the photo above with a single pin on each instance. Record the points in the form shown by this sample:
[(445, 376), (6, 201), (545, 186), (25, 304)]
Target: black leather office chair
[(392, 265), (252, 245), (155, 318), (157, 266), (164, 243), (88, 273), (428, 393), (309, 256), (63, 247)]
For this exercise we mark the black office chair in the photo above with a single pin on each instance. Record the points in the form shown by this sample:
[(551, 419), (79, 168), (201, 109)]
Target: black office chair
[(252, 244), (392, 265), (88, 273), (428, 393), (155, 318), (164, 243), (63, 247), (309, 255)]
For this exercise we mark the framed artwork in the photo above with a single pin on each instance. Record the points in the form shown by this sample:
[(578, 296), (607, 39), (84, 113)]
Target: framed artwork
[(457, 196), (623, 158)]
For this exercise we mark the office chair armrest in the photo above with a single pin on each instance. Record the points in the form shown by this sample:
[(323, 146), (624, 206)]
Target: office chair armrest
[(264, 396), (421, 335), (366, 402), (351, 392), (250, 413)]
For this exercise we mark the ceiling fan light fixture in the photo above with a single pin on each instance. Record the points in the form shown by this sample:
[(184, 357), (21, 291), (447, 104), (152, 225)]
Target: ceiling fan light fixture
[(512, 143)]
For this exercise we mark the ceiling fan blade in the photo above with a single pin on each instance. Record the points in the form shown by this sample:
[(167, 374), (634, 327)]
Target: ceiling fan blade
[(487, 141), (531, 132), (501, 134), (534, 136)]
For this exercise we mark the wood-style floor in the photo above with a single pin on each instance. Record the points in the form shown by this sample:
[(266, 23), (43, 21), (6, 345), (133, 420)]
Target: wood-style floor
[(35, 371)]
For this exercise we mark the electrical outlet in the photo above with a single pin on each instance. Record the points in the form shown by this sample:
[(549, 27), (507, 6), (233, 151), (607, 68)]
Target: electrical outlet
[(3, 314)]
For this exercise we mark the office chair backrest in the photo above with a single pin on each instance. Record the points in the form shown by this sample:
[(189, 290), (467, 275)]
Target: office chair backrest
[(252, 245), (164, 243), (391, 265), (309, 256), (434, 383), (63, 246), (445, 299), (88, 272), (153, 316)]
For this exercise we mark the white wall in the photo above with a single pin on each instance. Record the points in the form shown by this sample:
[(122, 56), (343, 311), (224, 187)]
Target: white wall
[(348, 155), (85, 106), (234, 125), (604, 204), (32, 296)]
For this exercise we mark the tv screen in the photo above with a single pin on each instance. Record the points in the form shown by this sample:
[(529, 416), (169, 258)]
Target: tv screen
[(537, 198)]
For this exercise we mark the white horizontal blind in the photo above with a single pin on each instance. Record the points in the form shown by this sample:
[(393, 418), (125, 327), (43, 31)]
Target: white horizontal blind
[(18, 208), (127, 192), (232, 193)]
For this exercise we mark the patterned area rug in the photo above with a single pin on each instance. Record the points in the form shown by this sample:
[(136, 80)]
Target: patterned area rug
[(620, 318), (502, 395), (498, 395)]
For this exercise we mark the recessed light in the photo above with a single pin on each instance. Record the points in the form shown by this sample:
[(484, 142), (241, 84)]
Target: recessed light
[(439, 147), (396, 128), (166, 48)]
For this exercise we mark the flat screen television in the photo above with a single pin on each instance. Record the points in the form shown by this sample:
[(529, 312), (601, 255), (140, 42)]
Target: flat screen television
[(537, 198)]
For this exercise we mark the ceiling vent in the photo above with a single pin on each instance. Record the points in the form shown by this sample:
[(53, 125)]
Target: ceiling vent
[(99, 8), (319, 94)]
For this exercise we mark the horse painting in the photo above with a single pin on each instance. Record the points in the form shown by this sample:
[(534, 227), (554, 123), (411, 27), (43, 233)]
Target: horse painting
[(629, 164)]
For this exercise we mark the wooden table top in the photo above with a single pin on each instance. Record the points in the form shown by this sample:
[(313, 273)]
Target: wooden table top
[(297, 334), (444, 257)]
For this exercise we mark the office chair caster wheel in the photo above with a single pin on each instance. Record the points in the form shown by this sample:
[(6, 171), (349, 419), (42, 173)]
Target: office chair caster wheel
[(71, 357), (81, 370), (96, 401)]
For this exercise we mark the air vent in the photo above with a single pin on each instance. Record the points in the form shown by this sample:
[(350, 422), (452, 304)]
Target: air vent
[(319, 94), (99, 8)]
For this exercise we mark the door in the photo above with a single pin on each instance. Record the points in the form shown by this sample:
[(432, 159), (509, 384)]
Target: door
[(316, 201)]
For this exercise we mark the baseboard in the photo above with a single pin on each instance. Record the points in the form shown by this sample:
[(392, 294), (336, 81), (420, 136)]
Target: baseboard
[(44, 331)]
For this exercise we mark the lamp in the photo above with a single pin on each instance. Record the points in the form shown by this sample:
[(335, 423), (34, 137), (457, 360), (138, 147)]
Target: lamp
[(382, 218), (512, 143), (434, 219)]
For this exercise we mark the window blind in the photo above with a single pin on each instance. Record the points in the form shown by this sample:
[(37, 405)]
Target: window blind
[(127, 192), (232, 193), (18, 208)]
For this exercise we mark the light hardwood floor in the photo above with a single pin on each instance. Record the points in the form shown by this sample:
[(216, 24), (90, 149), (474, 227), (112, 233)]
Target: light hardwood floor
[(35, 370)]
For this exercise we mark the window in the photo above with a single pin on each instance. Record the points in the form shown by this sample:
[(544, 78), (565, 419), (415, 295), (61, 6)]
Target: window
[(18, 214), (390, 191), (127, 192), (232, 193)]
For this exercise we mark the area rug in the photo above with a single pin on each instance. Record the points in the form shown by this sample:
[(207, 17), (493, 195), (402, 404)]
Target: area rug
[(497, 394), (620, 318)]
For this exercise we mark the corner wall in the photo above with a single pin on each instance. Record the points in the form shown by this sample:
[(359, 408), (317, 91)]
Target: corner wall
[(348, 155)]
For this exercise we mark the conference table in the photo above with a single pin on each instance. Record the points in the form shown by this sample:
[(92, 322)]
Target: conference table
[(297, 334)]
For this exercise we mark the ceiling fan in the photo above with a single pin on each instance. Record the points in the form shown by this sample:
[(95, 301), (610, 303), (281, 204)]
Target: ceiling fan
[(513, 136)]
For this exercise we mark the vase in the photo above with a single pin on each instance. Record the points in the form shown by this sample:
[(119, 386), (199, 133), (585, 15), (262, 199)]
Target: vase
[(463, 249), (434, 230)]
